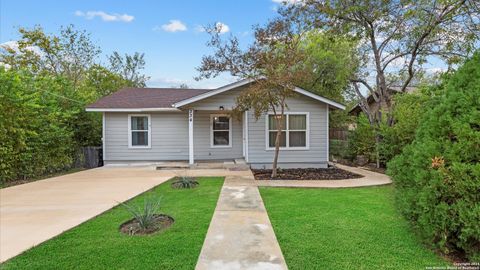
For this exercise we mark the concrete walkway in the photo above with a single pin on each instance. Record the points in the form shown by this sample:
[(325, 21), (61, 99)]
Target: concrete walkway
[(240, 235), (370, 179)]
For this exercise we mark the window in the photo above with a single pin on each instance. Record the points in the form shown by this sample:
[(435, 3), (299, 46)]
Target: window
[(139, 131), (294, 131), (220, 131)]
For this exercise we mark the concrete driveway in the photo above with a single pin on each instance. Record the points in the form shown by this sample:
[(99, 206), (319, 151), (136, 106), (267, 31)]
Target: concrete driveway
[(34, 212)]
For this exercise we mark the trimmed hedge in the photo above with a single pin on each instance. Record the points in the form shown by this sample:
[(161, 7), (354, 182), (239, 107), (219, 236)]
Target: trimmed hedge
[(437, 176)]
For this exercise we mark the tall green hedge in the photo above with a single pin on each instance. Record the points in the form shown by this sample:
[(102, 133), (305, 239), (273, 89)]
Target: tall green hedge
[(437, 176), (35, 137)]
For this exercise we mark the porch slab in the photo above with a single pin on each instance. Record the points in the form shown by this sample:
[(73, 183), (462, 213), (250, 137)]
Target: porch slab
[(240, 235)]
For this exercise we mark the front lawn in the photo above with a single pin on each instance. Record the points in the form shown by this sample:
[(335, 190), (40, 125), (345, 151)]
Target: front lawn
[(355, 228), (98, 244)]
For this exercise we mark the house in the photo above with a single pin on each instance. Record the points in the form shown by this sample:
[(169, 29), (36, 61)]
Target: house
[(355, 111), (164, 124)]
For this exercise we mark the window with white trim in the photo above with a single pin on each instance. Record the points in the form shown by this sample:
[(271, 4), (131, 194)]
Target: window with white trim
[(139, 131), (294, 131), (220, 130)]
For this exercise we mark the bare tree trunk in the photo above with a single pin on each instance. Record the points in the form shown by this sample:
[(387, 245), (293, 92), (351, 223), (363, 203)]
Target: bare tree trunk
[(277, 150), (277, 138), (377, 148)]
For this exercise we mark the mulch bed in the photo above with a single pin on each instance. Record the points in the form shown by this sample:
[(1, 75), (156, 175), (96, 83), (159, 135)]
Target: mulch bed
[(306, 174), (161, 223)]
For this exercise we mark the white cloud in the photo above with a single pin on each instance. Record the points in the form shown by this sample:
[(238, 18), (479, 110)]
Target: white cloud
[(6, 66), (287, 2), (13, 45), (433, 70), (222, 28), (172, 26), (219, 26), (114, 17), (199, 29)]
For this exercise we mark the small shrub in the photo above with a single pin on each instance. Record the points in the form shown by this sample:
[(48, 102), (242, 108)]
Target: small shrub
[(361, 141), (185, 182), (437, 176), (339, 149), (145, 214)]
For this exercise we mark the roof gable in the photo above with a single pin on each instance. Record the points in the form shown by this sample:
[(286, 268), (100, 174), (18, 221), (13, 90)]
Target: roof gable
[(247, 81)]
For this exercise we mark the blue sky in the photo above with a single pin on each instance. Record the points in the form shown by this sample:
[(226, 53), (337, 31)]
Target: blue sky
[(172, 49)]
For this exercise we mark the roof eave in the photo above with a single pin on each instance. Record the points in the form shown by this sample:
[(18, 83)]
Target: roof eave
[(330, 102), (132, 110)]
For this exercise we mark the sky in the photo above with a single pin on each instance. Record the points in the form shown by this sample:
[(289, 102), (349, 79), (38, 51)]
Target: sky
[(168, 32)]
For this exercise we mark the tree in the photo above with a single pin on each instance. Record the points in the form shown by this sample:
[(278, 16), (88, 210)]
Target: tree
[(183, 86), (332, 60), (279, 59), (396, 39), (437, 176), (69, 54), (100, 82), (129, 67)]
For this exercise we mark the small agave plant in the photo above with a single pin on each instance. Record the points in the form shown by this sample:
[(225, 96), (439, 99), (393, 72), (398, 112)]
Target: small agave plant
[(145, 214), (184, 182)]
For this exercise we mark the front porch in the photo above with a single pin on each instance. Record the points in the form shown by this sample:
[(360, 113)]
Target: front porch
[(229, 164), (213, 134)]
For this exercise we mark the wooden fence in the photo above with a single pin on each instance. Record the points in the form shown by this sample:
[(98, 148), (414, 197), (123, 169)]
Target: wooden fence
[(338, 134), (89, 157)]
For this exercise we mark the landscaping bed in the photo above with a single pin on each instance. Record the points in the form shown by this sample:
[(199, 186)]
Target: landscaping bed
[(133, 227), (305, 174)]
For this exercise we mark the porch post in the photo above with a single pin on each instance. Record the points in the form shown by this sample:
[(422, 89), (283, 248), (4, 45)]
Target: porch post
[(190, 137)]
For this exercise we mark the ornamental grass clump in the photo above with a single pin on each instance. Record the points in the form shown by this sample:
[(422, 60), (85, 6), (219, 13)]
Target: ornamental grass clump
[(146, 214), (437, 176), (185, 182)]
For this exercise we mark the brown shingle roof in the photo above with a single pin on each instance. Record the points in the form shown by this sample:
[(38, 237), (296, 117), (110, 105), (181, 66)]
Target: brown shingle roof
[(129, 98)]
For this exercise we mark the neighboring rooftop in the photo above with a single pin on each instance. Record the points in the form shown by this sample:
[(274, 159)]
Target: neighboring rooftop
[(394, 89), (130, 98)]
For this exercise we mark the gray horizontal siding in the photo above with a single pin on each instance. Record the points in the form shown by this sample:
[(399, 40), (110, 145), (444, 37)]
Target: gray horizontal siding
[(169, 138), (201, 138), (317, 153)]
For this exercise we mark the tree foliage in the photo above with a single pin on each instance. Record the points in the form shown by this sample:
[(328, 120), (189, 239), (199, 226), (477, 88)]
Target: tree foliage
[(45, 82), (129, 67), (396, 39), (69, 54), (437, 175)]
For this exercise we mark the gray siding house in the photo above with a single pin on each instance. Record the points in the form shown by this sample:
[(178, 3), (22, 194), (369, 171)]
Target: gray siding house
[(151, 125)]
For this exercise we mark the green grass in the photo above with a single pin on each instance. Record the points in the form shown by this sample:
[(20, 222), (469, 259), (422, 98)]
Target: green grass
[(98, 244), (355, 228)]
